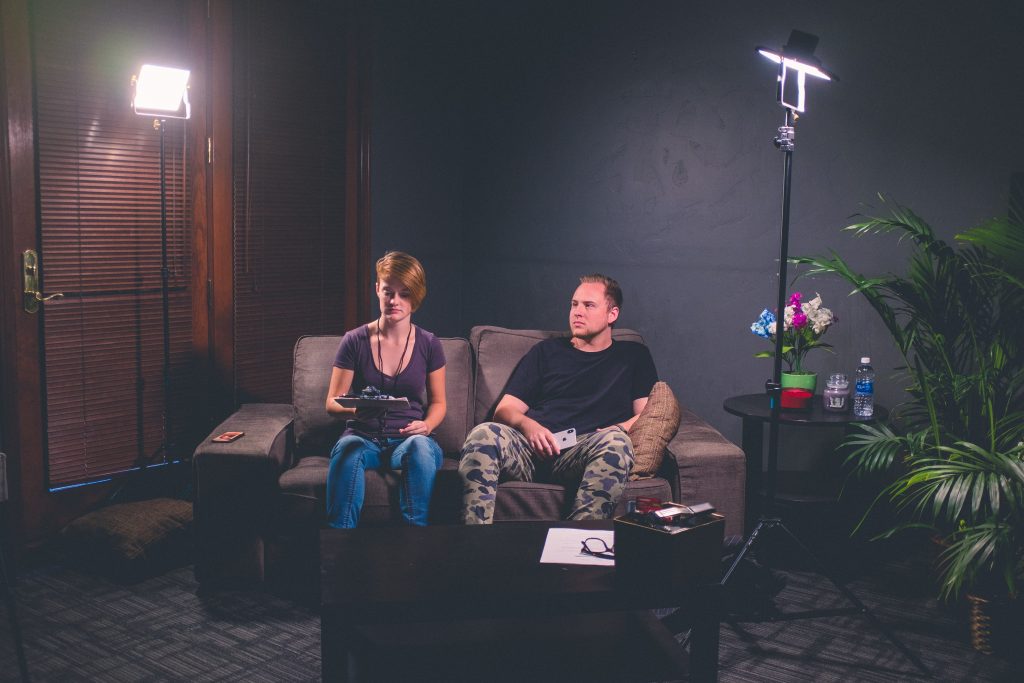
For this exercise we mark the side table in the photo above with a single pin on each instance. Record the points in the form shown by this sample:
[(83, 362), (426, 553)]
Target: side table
[(755, 411)]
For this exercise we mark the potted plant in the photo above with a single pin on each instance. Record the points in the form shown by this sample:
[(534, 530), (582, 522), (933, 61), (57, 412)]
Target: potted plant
[(803, 324), (953, 451)]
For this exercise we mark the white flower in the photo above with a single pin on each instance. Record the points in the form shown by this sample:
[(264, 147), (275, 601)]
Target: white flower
[(820, 320), (820, 317), (812, 305), (788, 318)]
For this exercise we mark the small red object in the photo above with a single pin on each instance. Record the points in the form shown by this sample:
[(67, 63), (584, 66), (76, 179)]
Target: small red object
[(228, 437), (647, 504), (796, 399)]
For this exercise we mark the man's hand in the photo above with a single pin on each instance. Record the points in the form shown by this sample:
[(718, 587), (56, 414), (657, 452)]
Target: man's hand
[(542, 441), (512, 412)]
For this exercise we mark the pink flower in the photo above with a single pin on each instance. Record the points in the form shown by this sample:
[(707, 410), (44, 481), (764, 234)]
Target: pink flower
[(795, 316)]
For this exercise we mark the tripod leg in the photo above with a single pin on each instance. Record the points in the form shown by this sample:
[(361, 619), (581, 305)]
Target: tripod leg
[(678, 621), (762, 524), (852, 597), (13, 615)]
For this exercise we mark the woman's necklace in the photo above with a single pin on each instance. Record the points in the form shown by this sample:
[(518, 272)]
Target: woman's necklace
[(380, 365)]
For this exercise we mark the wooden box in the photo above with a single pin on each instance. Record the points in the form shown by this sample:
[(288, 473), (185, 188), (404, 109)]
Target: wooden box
[(681, 555)]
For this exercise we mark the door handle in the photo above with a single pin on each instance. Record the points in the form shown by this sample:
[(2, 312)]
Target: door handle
[(30, 269)]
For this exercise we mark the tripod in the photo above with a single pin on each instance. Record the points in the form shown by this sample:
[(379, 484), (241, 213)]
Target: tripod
[(167, 448), (785, 141), (7, 579), (766, 523)]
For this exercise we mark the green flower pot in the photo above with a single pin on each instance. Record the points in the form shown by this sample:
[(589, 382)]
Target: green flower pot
[(800, 380)]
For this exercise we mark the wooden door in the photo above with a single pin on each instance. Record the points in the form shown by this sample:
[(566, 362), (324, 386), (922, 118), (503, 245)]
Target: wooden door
[(97, 381), (83, 388)]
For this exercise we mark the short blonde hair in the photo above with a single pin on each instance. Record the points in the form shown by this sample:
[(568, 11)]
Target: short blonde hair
[(407, 270)]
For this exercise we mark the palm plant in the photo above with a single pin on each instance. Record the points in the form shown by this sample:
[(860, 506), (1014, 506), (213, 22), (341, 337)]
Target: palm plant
[(955, 447)]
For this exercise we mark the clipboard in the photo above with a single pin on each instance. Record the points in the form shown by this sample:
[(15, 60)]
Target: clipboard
[(360, 402)]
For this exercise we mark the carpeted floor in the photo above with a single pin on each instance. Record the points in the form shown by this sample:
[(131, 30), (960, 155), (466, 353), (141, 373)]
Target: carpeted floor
[(850, 648), (81, 627)]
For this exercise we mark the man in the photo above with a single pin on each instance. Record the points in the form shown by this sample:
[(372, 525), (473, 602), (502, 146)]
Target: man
[(586, 382)]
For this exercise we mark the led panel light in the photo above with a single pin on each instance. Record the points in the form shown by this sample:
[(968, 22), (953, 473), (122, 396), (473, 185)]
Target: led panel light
[(796, 64), (796, 61), (162, 91)]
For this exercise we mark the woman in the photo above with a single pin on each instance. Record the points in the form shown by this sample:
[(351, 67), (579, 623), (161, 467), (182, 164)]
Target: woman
[(402, 360)]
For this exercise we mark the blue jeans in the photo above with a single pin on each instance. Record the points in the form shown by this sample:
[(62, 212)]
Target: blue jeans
[(419, 458)]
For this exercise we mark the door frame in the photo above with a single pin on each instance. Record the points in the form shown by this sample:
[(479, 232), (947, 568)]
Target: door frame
[(20, 337)]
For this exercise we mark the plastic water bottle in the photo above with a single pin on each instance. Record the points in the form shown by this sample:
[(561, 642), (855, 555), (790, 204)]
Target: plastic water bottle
[(864, 389)]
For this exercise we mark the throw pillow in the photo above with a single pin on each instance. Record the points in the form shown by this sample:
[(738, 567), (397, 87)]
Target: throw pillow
[(131, 541), (653, 429)]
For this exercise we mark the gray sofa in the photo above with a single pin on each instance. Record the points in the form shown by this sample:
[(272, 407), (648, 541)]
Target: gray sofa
[(259, 501)]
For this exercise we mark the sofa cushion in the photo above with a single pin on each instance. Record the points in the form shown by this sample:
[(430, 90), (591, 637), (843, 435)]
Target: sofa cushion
[(304, 494), (520, 501), (529, 501), (458, 388), (651, 487), (498, 350), (315, 430), (307, 479), (652, 431)]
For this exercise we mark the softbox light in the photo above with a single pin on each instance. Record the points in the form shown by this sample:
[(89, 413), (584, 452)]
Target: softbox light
[(161, 92)]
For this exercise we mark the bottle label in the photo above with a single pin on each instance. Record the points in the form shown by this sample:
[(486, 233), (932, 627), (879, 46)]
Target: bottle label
[(865, 387)]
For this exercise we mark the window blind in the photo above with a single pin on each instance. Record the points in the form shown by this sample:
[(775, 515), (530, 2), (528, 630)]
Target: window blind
[(289, 188)]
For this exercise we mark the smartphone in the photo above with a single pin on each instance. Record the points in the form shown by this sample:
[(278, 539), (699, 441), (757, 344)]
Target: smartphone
[(228, 437), (565, 439)]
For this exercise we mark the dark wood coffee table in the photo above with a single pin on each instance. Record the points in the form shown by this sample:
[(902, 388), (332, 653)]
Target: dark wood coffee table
[(474, 602)]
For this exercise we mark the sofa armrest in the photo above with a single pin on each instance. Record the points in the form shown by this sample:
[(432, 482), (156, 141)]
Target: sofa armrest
[(267, 428), (234, 488), (703, 466)]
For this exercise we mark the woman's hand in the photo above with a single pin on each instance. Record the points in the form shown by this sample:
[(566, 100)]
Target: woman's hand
[(414, 428), (341, 382)]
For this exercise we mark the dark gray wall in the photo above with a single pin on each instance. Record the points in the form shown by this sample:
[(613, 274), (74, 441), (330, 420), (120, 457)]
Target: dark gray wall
[(520, 145), (418, 181)]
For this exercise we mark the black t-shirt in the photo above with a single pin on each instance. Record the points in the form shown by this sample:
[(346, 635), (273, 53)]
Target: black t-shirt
[(565, 387)]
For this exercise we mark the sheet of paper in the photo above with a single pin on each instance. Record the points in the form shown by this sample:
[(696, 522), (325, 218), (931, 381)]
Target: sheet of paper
[(565, 546)]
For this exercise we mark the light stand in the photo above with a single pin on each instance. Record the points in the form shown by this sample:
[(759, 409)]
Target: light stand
[(796, 60), (165, 276), (162, 92)]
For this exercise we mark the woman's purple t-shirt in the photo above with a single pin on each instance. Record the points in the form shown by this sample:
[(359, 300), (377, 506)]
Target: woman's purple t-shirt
[(356, 353)]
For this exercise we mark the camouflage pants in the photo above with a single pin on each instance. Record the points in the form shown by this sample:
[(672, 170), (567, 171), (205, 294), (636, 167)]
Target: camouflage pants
[(598, 464)]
